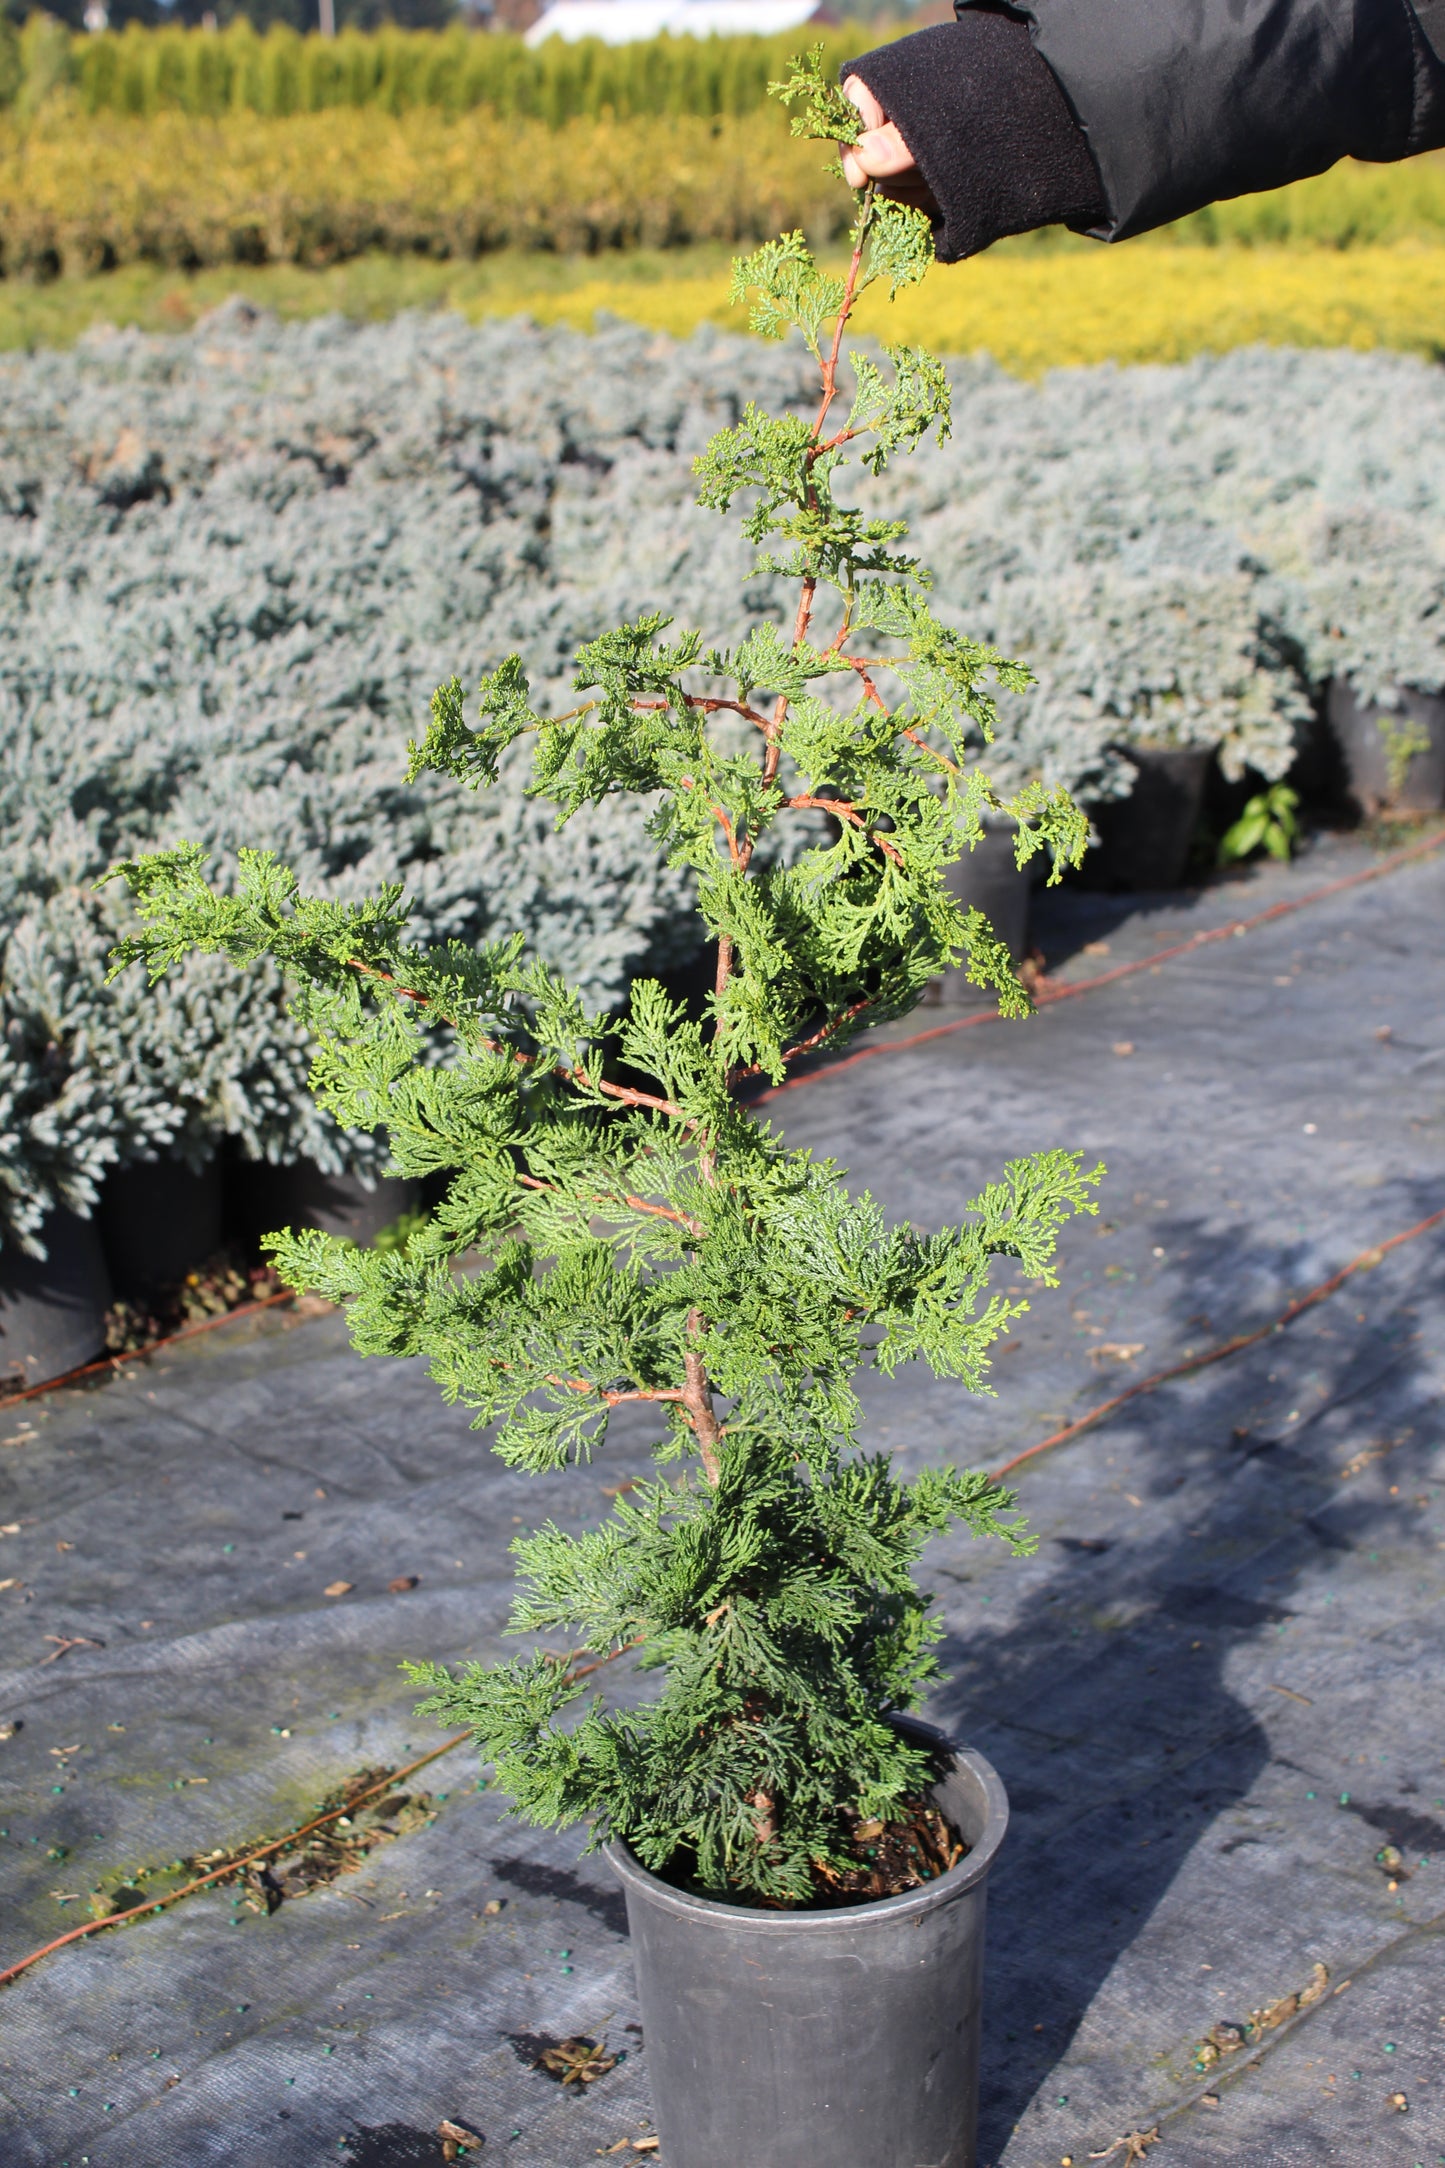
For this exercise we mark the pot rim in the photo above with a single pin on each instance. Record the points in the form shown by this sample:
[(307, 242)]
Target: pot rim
[(1154, 748), (970, 1871)]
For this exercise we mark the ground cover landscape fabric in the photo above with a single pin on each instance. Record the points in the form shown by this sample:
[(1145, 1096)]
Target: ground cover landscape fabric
[(1214, 1694)]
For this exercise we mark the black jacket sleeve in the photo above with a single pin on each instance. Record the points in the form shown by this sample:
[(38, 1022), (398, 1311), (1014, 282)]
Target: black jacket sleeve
[(1182, 102), (989, 129)]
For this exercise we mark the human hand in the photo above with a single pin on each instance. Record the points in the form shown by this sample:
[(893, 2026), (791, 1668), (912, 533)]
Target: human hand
[(880, 153)]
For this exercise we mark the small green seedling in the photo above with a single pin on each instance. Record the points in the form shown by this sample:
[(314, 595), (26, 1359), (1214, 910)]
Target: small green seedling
[(1269, 822)]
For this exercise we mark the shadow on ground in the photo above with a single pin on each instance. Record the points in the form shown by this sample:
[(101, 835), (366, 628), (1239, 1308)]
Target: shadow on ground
[(1120, 1736)]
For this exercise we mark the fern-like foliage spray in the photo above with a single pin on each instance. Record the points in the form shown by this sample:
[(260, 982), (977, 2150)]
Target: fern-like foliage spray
[(617, 1226)]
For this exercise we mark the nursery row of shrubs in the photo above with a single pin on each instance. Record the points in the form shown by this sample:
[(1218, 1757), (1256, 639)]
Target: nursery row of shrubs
[(75, 88), (236, 70), (77, 197), (233, 566), (331, 185)]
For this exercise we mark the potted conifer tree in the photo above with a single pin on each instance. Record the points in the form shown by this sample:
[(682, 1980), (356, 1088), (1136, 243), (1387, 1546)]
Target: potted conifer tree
[(804, 1862)]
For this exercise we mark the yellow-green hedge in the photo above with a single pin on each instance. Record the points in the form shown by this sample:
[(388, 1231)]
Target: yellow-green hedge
[(140, 72), (1140, 302), (323, 186)]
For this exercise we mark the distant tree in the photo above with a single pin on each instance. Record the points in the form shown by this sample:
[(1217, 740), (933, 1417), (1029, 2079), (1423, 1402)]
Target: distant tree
[(72, 12), (302, 15)]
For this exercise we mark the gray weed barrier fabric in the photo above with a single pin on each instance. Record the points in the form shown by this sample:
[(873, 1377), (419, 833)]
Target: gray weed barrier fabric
[(1214, 1694)]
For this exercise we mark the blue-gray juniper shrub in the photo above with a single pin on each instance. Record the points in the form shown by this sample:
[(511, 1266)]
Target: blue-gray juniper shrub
[(635, 1232)]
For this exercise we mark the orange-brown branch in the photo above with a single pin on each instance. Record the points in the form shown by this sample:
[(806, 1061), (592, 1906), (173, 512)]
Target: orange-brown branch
[(621, 1196), (626, 1096), (806, 1046), (614, 1396), (870, 690), (772, 728), (697, 1399), (932, 751), (623, 1093), (826, 1031), (844, 808), (706, 704)]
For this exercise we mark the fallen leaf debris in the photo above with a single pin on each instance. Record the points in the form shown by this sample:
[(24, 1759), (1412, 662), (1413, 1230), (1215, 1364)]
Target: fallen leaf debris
[(326, 1854), (218, 1287), (1132, 2146), (457, 2140), (577, 2061), (1228, 2036)]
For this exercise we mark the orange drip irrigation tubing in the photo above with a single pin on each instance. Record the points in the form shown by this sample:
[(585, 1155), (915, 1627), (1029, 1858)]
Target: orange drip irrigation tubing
[(1366, 1260), (1046, 994), (275, 1844), (232, 1866), (135, 1354)]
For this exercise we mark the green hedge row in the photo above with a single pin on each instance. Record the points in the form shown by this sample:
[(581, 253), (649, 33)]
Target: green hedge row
[(140, 71)]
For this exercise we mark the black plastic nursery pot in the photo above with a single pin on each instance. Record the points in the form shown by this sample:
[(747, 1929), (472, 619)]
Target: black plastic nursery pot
[(158, 1221), (261, 1198), (52, 1309), (1420, 785), (849, 2036), (1144, 839), (989, 879)]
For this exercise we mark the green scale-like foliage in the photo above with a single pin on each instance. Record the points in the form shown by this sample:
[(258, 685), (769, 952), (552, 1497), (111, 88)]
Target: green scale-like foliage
[(636, 1233)]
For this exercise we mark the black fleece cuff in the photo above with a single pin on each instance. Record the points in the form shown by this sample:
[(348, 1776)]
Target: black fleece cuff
[(989, 129)]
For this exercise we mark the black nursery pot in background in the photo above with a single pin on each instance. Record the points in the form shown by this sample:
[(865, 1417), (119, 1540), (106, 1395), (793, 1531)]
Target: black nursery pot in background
[(261, 1198), (158, 1221), (848, 2037), (1362, 731), (989, 879), (1144, 839), (52, 1309)]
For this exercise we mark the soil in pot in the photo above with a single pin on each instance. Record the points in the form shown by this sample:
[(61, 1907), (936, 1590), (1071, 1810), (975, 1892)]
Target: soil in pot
[(1394, 757), (158, 1222), (892, 1857), (989, 879), (52, 1309), (847, 2034), (1145, 839)]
